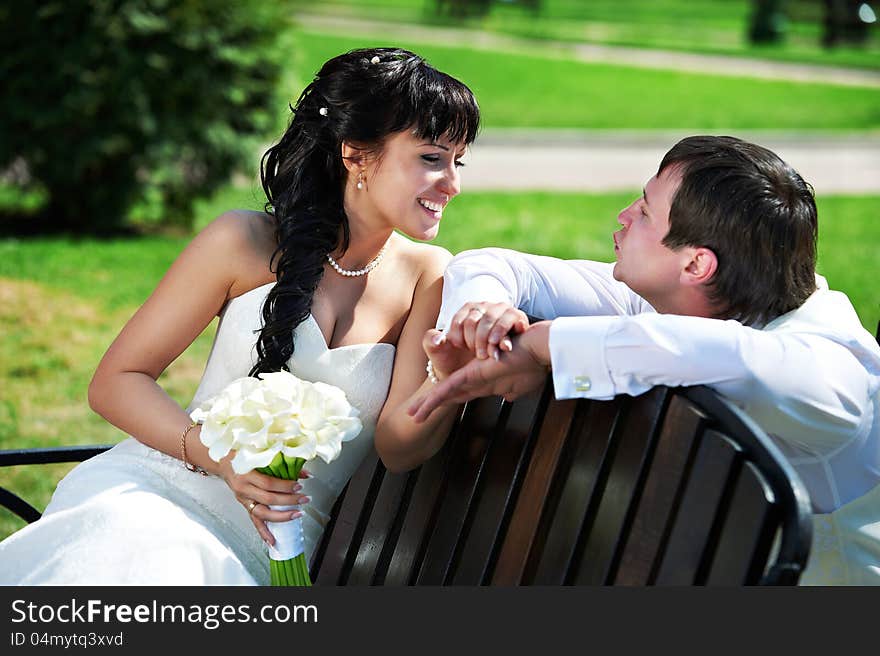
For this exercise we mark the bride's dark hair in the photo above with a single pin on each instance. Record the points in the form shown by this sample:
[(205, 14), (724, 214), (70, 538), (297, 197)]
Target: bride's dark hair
[(360, 98)]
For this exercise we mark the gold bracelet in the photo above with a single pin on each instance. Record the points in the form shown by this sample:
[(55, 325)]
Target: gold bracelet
[(186, 463)]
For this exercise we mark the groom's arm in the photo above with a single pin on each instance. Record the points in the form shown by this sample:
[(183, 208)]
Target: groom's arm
[(541, 286), (522, 369), (802, 388)]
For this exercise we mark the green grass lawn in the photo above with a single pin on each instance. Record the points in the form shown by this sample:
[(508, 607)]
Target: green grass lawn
[(525, 90), (63, 300), (708, 26)]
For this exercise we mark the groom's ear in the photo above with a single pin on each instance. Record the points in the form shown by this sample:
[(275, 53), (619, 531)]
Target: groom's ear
[(702, 265)]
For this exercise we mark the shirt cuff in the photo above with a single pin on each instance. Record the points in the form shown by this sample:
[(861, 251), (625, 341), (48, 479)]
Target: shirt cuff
[(577, 357)]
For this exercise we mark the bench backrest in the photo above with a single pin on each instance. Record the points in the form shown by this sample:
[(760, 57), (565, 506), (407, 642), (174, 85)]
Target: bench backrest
[(676, 486)]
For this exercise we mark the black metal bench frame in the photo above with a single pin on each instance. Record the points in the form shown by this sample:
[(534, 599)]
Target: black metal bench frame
[(45, 456)]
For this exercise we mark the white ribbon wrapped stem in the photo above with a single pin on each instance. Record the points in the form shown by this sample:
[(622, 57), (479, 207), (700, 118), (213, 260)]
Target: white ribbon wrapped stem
[(288, 536)]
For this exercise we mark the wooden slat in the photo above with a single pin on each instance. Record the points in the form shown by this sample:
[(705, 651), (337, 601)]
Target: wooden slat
[(577, 481), (596, 563), (379, 529), (317, 558), (428, 484), (691, 533), (663, 488), (502, 472), (525, 520), (344, 542), (479, 423), (748, 531)]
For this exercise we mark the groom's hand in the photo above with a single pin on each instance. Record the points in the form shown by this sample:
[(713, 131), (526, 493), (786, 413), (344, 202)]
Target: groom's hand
[(515, 373), (484, 328)]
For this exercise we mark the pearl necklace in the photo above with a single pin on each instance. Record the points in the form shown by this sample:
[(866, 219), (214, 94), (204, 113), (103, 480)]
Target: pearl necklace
[(372, 264)]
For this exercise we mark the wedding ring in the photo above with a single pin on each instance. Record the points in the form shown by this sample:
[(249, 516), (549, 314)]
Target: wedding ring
[(479, 312), (251, 506)]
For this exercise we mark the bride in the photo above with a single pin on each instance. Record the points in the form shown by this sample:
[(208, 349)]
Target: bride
[(322, 284)]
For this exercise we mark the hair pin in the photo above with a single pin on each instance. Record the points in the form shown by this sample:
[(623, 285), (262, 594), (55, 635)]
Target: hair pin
[(323, 111), (375, 59)]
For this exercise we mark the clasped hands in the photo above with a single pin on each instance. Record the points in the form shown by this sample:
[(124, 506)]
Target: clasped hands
[(489, 349)]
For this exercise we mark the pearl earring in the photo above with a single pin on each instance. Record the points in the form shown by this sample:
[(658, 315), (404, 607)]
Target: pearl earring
[(360, 183)]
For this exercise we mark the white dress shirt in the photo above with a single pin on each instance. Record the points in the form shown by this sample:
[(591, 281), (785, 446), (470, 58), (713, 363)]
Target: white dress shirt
[(810, 378)]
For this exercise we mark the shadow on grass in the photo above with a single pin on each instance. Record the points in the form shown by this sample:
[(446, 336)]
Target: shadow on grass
[(24, 223), (16, 222)]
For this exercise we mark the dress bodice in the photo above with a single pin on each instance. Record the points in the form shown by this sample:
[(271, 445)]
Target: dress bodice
[(362, 371)]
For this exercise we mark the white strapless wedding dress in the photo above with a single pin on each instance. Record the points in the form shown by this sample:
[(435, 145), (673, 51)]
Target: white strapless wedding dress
[(135, 516)]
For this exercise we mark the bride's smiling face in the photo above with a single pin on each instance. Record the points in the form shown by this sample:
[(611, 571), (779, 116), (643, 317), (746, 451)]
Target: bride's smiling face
[(408, 185)]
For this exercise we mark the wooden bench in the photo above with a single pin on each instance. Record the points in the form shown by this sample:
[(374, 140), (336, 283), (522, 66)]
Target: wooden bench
[(676, 486), (673, 487)]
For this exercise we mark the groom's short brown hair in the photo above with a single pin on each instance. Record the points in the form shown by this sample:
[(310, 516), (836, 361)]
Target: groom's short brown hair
[(756, 214)]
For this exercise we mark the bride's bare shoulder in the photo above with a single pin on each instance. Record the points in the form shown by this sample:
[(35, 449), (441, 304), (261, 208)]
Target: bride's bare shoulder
[(247, 229), (425, 260), (244, 241)]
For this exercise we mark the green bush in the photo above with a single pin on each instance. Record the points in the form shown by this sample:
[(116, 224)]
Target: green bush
[(112, 103)]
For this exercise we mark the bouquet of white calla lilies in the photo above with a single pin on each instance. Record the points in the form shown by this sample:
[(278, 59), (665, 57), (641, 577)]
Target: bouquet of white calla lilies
[(274, 424), (326, 415)]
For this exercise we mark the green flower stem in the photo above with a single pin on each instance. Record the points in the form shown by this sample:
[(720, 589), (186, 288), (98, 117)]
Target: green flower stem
[(280, 578), (294, 571), (285, 470), (283, 578)]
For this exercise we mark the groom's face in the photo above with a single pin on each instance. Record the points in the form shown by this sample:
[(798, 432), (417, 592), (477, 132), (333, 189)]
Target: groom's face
[(644, 263)]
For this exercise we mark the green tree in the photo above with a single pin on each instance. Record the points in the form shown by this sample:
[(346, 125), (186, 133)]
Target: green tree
[(767, 23), (110, 102)]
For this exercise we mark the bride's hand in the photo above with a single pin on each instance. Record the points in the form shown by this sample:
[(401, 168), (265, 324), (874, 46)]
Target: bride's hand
[(484, 328), (444, 357), (256, 492), (518, 372)]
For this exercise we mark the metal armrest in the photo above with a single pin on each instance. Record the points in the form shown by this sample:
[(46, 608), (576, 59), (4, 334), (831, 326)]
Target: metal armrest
[(42, 456)]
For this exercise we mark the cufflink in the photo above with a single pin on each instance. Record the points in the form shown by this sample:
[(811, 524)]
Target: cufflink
[(582, 384)]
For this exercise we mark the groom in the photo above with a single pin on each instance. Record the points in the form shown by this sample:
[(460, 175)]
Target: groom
[(714, 283)]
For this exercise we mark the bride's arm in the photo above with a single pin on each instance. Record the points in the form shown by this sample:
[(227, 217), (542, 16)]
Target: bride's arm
[(217, 265), (401, 443), (124, 389)]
